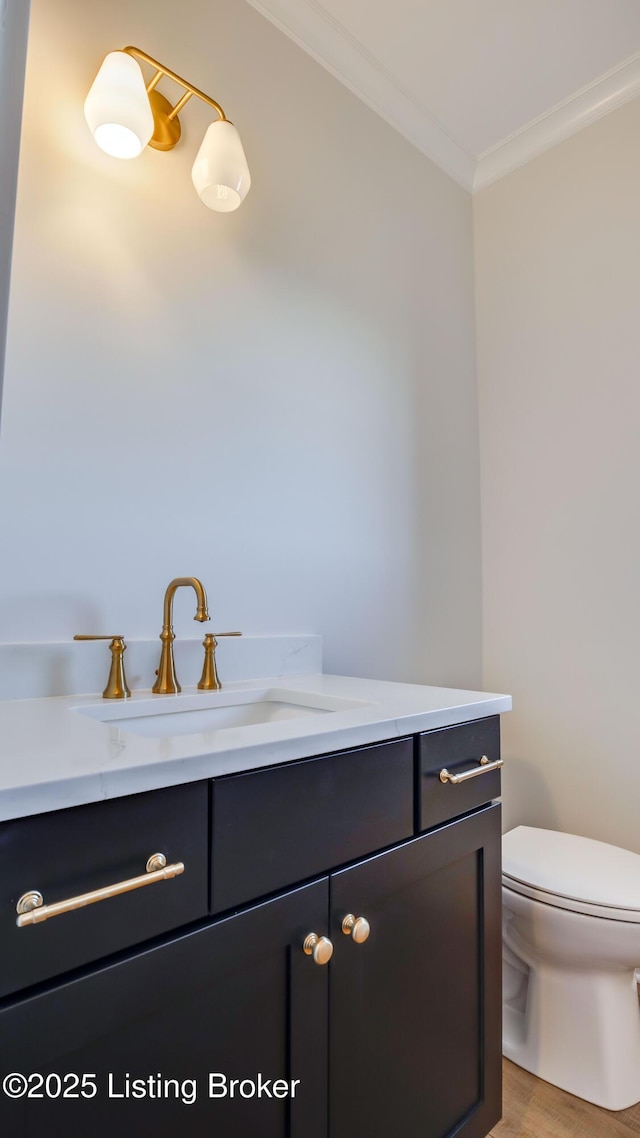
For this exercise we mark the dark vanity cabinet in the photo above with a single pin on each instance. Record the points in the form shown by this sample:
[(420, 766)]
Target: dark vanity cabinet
[(415, 1011), (232, 998), (397, 1033)]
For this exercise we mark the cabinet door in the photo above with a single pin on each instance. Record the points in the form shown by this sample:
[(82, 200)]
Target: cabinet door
[(238, 997), (415, 1045)]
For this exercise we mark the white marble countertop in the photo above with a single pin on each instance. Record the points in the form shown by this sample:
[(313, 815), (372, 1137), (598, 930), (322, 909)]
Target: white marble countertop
[(53, 755)]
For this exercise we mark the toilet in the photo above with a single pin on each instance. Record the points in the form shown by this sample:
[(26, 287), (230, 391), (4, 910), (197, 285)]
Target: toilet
[(571, 962)]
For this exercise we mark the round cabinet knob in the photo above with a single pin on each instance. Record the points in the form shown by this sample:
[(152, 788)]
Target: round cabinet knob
[(358, 928), (319, 947)]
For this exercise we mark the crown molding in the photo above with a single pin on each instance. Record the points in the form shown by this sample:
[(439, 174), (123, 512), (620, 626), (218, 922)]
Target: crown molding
[(309, 25), (316, 31), (611, 90)]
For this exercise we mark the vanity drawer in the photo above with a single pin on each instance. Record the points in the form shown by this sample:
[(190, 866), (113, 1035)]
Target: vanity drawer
[(276, 827), (457, 750), (70, 852)]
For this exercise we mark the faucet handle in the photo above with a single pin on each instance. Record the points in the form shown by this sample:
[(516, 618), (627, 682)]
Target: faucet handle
[(209, 680), (117, 687)]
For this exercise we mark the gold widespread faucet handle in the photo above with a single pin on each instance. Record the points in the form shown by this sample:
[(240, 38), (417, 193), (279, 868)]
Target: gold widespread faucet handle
[(117, 687), (84, 636), (209, 680)]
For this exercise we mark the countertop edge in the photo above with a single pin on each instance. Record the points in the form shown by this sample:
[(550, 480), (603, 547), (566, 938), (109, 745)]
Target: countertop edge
[(81, 788)]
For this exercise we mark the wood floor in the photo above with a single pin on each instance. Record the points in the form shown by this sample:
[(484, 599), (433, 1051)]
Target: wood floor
[(534, 1109)]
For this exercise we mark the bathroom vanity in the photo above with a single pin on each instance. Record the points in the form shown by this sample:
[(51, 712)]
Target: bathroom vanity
[(323, 960)]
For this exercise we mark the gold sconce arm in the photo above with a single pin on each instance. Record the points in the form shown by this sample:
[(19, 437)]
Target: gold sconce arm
[(188, 87)]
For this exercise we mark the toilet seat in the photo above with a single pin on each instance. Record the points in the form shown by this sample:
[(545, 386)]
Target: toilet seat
[(606, 912), (572, 872)]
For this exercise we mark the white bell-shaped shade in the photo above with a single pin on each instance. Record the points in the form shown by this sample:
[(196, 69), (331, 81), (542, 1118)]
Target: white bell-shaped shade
[(117, 107), (220, 173)]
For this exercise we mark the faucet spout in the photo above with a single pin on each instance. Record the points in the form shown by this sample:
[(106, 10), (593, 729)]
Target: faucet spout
[(167, 681), (177, 583)]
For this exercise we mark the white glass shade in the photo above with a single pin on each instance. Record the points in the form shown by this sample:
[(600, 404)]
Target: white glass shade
[(117, 107), (220, 173)]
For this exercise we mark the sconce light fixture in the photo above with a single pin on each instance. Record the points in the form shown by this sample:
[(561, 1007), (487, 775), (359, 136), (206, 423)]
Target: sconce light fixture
[(125, 114)]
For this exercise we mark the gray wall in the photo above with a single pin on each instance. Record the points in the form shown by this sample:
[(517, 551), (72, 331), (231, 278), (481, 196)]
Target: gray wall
[(14, 24), (281, 400), (558, 288)]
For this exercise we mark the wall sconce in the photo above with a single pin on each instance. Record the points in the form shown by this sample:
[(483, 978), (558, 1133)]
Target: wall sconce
[(125, 114)]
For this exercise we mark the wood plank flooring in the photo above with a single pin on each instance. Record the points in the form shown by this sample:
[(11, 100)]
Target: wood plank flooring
[(534, 1109)]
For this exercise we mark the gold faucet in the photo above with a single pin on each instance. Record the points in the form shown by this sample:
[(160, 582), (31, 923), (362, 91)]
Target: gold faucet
[(209, 680), (117, 687), (167, 682)]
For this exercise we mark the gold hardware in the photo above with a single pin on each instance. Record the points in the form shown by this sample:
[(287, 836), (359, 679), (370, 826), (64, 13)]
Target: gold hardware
[(117, 687), (209, 680), (126, 112), (167, 130), (485, 768), (32, 910), (167, 682), (319, 947), (29, 901), (358, 928)]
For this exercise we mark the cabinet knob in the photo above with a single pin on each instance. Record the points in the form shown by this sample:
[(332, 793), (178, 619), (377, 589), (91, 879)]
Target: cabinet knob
[(358, 928), (319, 947)]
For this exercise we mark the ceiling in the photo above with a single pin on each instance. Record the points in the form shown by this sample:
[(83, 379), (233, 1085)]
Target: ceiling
[(480, 86)]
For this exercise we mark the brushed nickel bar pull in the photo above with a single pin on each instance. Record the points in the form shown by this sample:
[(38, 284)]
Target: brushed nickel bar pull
[(32, 910), (484, 768)]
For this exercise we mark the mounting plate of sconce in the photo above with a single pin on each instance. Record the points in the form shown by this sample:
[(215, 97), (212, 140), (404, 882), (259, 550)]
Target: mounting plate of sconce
[(166, 131), (125, 114)]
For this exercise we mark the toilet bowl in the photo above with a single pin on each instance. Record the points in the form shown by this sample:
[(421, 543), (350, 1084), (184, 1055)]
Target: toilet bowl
[(571, 948)]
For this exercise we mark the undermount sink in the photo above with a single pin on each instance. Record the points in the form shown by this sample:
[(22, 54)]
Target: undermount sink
[(189, 714)]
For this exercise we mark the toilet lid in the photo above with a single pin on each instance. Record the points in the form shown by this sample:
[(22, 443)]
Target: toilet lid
[(573, 868)]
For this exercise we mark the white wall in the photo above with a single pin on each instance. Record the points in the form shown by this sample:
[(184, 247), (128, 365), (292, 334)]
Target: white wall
[(558, 316), (281, 401)]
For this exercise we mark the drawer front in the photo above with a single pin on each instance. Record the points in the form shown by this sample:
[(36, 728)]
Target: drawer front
[(457, 749), (275, 827), (70, 852)]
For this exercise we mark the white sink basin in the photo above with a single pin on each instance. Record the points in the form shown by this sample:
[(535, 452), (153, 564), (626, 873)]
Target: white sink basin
[(158, 717)]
